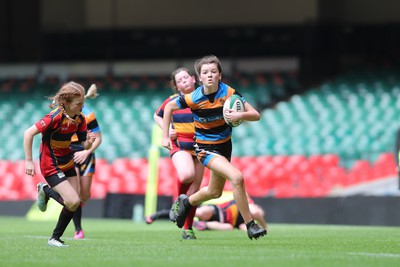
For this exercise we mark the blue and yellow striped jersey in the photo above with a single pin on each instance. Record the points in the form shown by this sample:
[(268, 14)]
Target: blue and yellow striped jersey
[(209, 123)]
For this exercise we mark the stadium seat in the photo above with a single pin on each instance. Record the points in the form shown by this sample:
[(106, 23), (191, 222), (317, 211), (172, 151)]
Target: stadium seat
[(360, 172), (385, 165), (98, 190)]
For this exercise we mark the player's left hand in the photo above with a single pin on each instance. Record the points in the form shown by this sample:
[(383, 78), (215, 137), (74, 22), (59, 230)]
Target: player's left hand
[(81, 156), (90, 137), (232, 115)]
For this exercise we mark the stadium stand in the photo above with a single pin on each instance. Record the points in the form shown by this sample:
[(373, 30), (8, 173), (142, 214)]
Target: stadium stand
[(336, 135)]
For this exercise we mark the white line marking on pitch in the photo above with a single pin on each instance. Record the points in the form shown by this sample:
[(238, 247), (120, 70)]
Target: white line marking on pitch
[(388, 255)]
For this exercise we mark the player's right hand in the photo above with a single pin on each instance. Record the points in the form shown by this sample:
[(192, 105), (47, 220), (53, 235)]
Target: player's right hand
[(166, 143), (29, 168)]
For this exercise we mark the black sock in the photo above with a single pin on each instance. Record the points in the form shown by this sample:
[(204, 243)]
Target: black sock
[(53, 194), (249, 224), (63, 221), (161, 214), (78, 218)]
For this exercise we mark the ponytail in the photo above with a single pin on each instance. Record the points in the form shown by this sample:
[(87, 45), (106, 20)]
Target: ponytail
[(92, 92)]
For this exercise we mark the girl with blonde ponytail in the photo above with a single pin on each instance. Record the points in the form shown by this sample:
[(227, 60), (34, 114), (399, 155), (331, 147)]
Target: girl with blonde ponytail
[(85, 161)]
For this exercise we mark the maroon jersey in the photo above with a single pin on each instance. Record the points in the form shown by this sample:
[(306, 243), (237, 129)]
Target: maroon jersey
[(55, 153)]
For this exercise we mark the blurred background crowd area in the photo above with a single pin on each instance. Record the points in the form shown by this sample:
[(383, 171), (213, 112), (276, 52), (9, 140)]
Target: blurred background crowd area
[(323, 74)]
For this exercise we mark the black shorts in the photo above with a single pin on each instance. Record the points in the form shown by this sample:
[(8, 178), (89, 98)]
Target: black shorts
[(206, 153), (56, 179), (217, 215), (87, 167)]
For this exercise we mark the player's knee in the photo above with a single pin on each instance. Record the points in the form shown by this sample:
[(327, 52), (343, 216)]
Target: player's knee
[(72, 204), (186, 177), (200, 215), (237, 179), (214, 193)]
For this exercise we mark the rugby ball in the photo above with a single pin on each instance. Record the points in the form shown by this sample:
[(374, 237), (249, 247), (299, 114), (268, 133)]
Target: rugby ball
[(234, 102)]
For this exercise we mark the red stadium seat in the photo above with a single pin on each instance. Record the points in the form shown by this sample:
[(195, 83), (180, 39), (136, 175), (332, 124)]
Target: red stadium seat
[(98, 191), (115, 185), (385, 165), (360, 172), (330, 160), (284, 191), (316, 161), (280, 161)]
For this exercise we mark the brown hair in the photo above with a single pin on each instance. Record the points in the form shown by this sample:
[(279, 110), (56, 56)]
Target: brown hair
[(67, 93), (207, 60), (172, 78)]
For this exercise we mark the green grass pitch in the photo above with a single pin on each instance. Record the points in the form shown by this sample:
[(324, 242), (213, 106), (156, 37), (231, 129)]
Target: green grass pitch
[(125, 243)]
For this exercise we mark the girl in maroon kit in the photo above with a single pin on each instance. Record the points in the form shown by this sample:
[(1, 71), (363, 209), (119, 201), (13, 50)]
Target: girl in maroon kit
[(56, 156)]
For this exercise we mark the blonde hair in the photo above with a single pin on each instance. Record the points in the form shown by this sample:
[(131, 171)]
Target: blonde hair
[(92, 92)]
